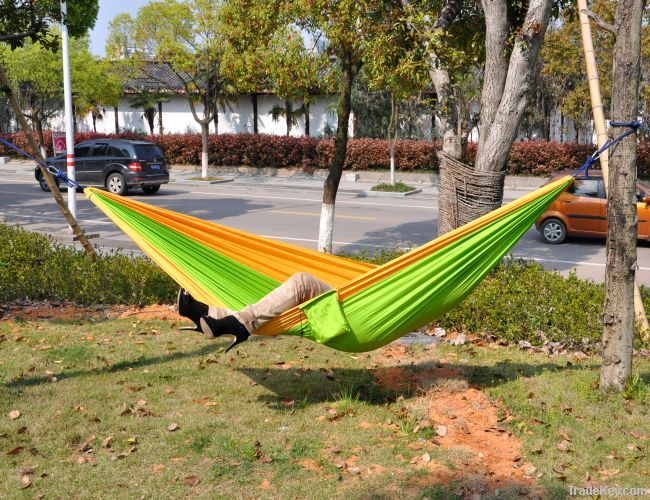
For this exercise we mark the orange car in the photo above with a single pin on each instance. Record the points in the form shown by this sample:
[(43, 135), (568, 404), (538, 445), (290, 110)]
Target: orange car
[(581, 211)]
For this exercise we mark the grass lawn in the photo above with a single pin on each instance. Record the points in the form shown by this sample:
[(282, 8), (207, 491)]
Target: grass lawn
[(133, 408)]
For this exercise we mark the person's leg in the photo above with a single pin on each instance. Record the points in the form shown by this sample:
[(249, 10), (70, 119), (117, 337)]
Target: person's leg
[(297, 289)]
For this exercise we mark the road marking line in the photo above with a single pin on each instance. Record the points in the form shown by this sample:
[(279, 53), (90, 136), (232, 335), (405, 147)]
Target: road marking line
[(338, 202), (60, 219), (318, 215)]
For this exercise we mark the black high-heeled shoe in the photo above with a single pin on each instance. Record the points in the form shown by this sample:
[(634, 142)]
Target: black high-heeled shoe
[(192, 309), (228, 325)]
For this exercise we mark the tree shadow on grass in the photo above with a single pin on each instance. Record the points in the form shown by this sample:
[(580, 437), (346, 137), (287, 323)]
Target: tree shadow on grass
[(313, 386)]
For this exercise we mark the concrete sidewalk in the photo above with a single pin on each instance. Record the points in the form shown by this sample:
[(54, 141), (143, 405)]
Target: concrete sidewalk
[(285, 178)]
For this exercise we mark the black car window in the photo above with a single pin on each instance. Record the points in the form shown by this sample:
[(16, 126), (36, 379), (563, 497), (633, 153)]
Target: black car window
[(147, 152), (586, 187), (100, 149), (118, 152), (82, 150)]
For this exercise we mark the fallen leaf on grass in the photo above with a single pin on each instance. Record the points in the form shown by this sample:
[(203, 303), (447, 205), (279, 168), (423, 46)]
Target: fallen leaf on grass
[(132, 440), (15, 451), (564, 436), (609, 473), (21, 430), (25, 481), (192, 480), (266, 484), (14, 414), (563, 446), (86, 445), (106, 443), (158, 468), (169, 390), (172, 427)]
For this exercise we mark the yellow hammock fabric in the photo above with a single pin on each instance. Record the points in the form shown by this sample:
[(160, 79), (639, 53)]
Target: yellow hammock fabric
[(231, 268)]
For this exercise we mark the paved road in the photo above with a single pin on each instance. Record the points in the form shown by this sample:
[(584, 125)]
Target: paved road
[(291, 213)]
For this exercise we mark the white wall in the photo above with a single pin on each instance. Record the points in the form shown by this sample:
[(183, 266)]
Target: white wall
[(237, 119)]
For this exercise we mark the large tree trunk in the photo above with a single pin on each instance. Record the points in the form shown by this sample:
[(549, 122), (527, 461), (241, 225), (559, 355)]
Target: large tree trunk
[(205, 134), (506, 87), (618, 332), (349, 69)]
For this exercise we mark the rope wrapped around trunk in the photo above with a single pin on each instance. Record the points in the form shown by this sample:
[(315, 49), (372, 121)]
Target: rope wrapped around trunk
[(464, 193)]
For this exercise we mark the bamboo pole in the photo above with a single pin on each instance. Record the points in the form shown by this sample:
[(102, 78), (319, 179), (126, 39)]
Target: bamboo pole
[(72, 222), (601, 134)]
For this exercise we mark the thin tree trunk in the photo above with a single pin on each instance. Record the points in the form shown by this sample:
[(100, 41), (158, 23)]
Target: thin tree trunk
[(307, 112), (56, 194), (255, 113), (618, 315), (349, 69), (205, 131), (216, 122), (41, 139), (117, 122), (392, 135), (288, 108), (160, 119)]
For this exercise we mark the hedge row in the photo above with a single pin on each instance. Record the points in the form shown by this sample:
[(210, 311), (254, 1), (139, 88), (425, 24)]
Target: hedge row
[(528, 157)]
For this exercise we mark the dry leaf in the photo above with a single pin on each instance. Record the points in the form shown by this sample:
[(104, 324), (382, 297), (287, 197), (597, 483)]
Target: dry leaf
[(15, 451), (611, 472), (132, 440), (158, 468), (192, 480), (169, 390), (25, 481), (266, 484), (172, 427), (106, 443), (14, 414), (564, 436), (563, 446)]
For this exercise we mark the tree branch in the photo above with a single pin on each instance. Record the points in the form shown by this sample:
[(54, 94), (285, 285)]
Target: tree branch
[(600, 22)]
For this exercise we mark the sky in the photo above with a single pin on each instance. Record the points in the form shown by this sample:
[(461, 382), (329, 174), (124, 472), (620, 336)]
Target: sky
[(108, 9)]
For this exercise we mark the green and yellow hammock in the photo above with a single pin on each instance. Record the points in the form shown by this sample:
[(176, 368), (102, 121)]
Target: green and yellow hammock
[(369, 307)]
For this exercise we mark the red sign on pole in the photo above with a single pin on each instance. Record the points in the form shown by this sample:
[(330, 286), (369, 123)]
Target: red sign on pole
[(58, 139)]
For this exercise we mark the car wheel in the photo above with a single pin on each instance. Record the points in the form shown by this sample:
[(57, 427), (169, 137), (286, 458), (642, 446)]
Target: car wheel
[(151, 189), (43, 183), (116, 183), (553, 231)]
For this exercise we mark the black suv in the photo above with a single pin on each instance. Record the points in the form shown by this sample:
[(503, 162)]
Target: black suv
[(115, 164)]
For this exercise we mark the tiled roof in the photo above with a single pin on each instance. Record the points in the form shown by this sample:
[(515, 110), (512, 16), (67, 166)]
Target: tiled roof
[(155, 76)]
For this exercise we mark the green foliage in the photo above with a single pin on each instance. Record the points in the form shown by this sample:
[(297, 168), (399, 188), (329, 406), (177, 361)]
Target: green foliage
[(398, 187), (35, 20), (34, 267), (634, 388), (523, 301)]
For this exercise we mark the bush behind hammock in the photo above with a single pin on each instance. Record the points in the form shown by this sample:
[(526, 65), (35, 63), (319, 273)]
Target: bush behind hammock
[(517, 301)]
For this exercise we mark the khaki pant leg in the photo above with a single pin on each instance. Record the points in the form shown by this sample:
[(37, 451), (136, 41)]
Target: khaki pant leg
[(297, 289), (219, 312)]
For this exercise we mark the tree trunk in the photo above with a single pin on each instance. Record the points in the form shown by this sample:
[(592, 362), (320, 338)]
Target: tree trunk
[(255, 113), (41, 139), (392, 135), (56, 194), (618, 315), (205, 131), (160, 120), (117, 122), (216, 122), (307, 131), (505, 95), (349, 69), (288, 109), (94, 119)]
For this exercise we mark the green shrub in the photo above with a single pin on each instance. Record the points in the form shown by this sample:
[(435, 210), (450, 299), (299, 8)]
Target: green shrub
[(34, 267), (523, 301), (398, 187)]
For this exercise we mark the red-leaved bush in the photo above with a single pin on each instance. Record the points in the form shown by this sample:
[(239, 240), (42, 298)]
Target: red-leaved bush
[(272, 151)]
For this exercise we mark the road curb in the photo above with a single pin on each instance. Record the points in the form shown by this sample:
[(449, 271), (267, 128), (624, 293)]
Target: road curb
[(200, 183)]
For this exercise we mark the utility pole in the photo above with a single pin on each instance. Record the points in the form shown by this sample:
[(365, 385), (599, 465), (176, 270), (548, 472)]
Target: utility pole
[(69, 119)]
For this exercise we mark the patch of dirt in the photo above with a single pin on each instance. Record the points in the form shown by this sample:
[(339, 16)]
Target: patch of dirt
[(483, 452), (48, 310)]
